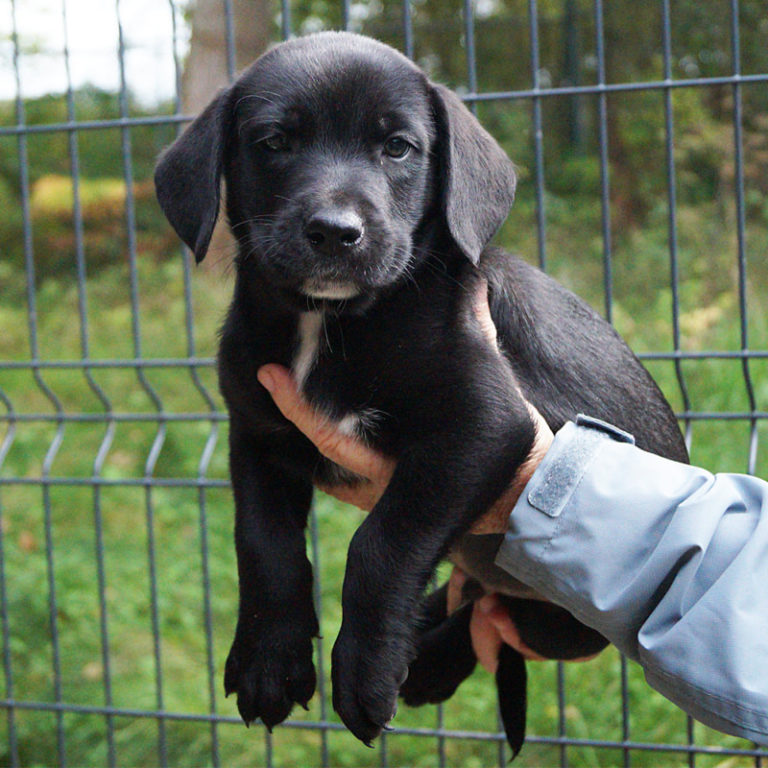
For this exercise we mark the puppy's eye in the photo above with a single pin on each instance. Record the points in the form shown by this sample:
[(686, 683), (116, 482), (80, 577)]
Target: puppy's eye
[(277, 142), (396, 147)]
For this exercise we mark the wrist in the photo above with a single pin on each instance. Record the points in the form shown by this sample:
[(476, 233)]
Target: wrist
[(495, 520)]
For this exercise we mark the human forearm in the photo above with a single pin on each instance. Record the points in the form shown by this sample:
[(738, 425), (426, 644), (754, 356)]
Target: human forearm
[(667, 561)]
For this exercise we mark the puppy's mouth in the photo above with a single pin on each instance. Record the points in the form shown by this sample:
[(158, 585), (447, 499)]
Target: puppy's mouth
[(332, 290), (334, 296)]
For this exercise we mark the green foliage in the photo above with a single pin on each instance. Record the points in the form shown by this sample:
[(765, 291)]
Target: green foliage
[(100, 205), (103, 157), (577, 174)]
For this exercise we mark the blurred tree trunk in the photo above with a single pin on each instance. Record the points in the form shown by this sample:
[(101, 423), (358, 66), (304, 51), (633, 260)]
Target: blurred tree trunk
[(209, 64), (207, 67)]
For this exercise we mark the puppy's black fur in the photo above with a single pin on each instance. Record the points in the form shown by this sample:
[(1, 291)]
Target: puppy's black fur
[(362, 197)]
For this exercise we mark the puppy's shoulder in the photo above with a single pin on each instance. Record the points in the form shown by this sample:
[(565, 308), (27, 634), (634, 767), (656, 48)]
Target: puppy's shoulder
[(522, 294), (510, 275)]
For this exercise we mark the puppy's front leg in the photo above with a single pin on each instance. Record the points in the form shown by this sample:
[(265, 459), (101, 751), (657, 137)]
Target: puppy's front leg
[(436, 491), (270, 663)]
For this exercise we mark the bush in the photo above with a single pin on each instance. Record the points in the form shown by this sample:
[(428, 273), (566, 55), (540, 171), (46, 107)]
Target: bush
[(102, 205)]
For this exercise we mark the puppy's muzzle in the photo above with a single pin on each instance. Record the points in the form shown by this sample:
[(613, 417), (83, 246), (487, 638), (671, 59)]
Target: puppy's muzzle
[(335, 231)]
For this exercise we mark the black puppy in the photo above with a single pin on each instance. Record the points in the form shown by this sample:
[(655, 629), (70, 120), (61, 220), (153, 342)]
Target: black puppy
[(362, 197)]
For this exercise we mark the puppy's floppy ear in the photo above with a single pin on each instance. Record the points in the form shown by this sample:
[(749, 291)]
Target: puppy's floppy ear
[(188, 176), (477, 178)]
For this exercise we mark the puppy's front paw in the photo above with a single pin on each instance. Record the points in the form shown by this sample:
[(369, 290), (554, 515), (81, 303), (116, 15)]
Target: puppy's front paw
[(270, 668), (367, 675)]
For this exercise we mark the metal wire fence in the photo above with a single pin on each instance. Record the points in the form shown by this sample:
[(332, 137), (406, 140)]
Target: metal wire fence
[(116, 578)]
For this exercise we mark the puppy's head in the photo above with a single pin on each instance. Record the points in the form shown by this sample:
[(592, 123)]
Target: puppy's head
[(336, 152)]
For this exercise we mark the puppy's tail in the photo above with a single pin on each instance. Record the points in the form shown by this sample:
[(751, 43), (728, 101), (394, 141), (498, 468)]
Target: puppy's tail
[(511, 684)]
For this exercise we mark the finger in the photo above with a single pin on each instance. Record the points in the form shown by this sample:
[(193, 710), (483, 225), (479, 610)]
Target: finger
[(483, 313), (455, 585), (363, 496), (486, 641), (501, 620), (338, 447), (498, 616)]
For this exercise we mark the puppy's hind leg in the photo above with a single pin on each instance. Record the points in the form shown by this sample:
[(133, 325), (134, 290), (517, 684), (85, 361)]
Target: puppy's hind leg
[(551, 631), (444, 656)]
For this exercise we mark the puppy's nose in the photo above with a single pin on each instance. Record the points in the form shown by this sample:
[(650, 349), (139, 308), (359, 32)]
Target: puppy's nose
[(334, 229)]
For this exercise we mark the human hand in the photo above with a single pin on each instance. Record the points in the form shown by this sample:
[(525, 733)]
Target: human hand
[(491, 625), (374, 467)]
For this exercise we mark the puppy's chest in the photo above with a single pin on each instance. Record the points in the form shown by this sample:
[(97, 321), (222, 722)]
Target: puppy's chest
[(342, 371)]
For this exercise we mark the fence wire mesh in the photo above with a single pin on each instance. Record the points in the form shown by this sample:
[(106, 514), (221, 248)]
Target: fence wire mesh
[(117, 580)]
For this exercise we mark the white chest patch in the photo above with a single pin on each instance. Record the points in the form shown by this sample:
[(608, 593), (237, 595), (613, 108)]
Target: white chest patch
[(310, 328), (359, 424), (310, 335)]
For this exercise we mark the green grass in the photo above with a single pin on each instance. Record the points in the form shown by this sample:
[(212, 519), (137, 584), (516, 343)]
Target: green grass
[(642, 311)]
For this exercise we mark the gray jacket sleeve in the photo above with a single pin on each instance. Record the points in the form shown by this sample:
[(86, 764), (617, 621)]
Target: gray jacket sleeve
[(667, 561)]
